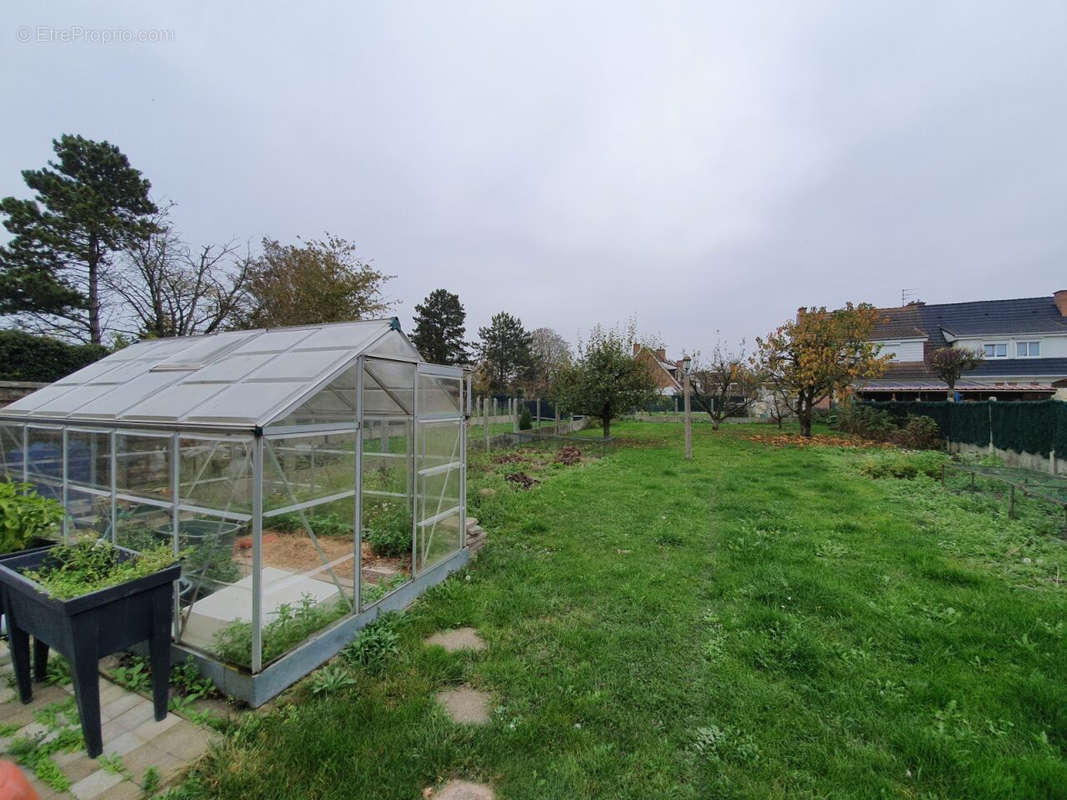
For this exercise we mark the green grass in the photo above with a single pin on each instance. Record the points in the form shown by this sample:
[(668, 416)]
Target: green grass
[(759, 622)]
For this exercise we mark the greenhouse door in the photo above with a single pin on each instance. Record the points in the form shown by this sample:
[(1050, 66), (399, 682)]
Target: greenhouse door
[(440, 453)]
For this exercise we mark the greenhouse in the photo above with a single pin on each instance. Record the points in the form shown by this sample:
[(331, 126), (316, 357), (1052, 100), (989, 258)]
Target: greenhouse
[(311, 478)]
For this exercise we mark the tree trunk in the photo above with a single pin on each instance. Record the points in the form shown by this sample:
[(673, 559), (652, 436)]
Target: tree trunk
[(804, 412), (606, 425), (714, 424), (95, 335)]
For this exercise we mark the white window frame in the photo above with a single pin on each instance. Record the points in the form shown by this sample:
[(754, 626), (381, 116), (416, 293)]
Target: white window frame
[(1031, 345), (994, 346)]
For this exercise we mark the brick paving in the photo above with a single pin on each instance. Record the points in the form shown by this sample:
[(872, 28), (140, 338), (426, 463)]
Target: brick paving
[(130, 733)]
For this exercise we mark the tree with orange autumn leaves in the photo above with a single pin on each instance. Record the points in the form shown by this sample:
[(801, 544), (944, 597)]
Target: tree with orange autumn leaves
[(819, 355)]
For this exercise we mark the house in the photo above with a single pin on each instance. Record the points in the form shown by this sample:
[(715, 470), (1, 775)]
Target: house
[(1023, 341), (666, 374)]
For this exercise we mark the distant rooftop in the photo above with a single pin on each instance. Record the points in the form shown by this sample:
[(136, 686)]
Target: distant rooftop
[(993, 317)]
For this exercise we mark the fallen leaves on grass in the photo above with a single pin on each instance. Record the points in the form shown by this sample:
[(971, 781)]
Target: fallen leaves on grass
[(521, 479), (569, 455)]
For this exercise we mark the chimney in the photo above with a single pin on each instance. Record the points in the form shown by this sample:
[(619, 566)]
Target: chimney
[(1060, 298), (637, 348), (661, 354)]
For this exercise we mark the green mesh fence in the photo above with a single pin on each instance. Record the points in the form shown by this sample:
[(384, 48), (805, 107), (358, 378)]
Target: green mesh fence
[(1060, 440), (1025, 427), (970, 423)]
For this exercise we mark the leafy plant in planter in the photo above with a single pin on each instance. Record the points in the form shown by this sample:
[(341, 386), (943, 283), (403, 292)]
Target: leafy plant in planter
[(71, 570), (25, 516)]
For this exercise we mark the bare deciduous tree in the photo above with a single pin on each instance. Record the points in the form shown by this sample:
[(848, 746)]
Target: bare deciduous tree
[(170, 289), (725, 386)]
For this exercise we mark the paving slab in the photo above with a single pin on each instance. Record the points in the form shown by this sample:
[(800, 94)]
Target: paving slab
[(96, 784), (458, 639), (464, 790), (465, 705), (135, 716)]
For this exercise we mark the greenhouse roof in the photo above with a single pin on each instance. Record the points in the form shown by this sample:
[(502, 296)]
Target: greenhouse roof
[(237, 379)]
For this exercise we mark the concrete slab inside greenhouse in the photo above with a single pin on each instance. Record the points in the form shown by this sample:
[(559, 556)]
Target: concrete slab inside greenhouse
[(234, 603)]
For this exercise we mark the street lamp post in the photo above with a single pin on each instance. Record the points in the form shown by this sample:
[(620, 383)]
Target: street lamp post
[(686, 363)]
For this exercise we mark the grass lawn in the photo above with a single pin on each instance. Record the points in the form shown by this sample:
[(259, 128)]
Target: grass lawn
[(760, 622)]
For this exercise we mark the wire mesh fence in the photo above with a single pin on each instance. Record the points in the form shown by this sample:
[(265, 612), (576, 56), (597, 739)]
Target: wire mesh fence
[(1023, 492)]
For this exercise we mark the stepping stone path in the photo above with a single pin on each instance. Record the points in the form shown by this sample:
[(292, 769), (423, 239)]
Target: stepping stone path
[(463, 790), (458, 639), (465, 705)]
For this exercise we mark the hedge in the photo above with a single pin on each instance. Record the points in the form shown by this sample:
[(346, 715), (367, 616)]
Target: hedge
[(25, 357), (1023, 426)]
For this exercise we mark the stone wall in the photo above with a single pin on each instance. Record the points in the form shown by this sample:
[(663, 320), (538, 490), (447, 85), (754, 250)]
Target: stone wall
[(1034, 461), (10, 391)]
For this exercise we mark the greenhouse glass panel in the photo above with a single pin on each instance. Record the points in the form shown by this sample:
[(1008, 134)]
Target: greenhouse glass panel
[(215, 474), (44, 461), (388, 452), (299, 470), (438, 503), (142, 467), (89, 459), (215, 590), (11, 453), (334, 404)]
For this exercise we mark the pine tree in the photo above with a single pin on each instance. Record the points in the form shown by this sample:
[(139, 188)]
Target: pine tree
[(439, 328), (89, 205), (505, 349)]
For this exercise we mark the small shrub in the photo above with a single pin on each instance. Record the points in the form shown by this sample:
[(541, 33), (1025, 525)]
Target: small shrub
[(25, 515), (893, 464), (918, 433), (866, 421), (377, 643), (330, 680), (525, 420), (387, 527)]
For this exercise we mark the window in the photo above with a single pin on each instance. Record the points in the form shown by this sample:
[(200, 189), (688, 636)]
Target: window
[(997, 350), (1027, 349)]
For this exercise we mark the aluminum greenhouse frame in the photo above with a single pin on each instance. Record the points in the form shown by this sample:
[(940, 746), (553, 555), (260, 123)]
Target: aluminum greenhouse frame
[(312, 478)]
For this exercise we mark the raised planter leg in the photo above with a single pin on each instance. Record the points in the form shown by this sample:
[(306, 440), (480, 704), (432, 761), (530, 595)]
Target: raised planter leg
[(84, 669), (40, 660), (19, 642), (159, 650)]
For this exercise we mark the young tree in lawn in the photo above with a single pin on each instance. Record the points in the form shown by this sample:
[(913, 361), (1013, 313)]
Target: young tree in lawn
[(949, 363), (549, 353), (439, 328), (319, 281), (169, 289), (505, 351), (819, 354), (726, 385), (89, 205), (604, 381)]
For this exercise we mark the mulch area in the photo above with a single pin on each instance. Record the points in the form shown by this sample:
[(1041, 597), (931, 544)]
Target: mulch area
[(296, 552)]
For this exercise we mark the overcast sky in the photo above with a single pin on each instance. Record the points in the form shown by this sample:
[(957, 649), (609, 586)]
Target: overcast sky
[(700, 166)]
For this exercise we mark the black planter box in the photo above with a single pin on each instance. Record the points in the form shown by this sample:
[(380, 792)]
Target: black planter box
[(84, 629)]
